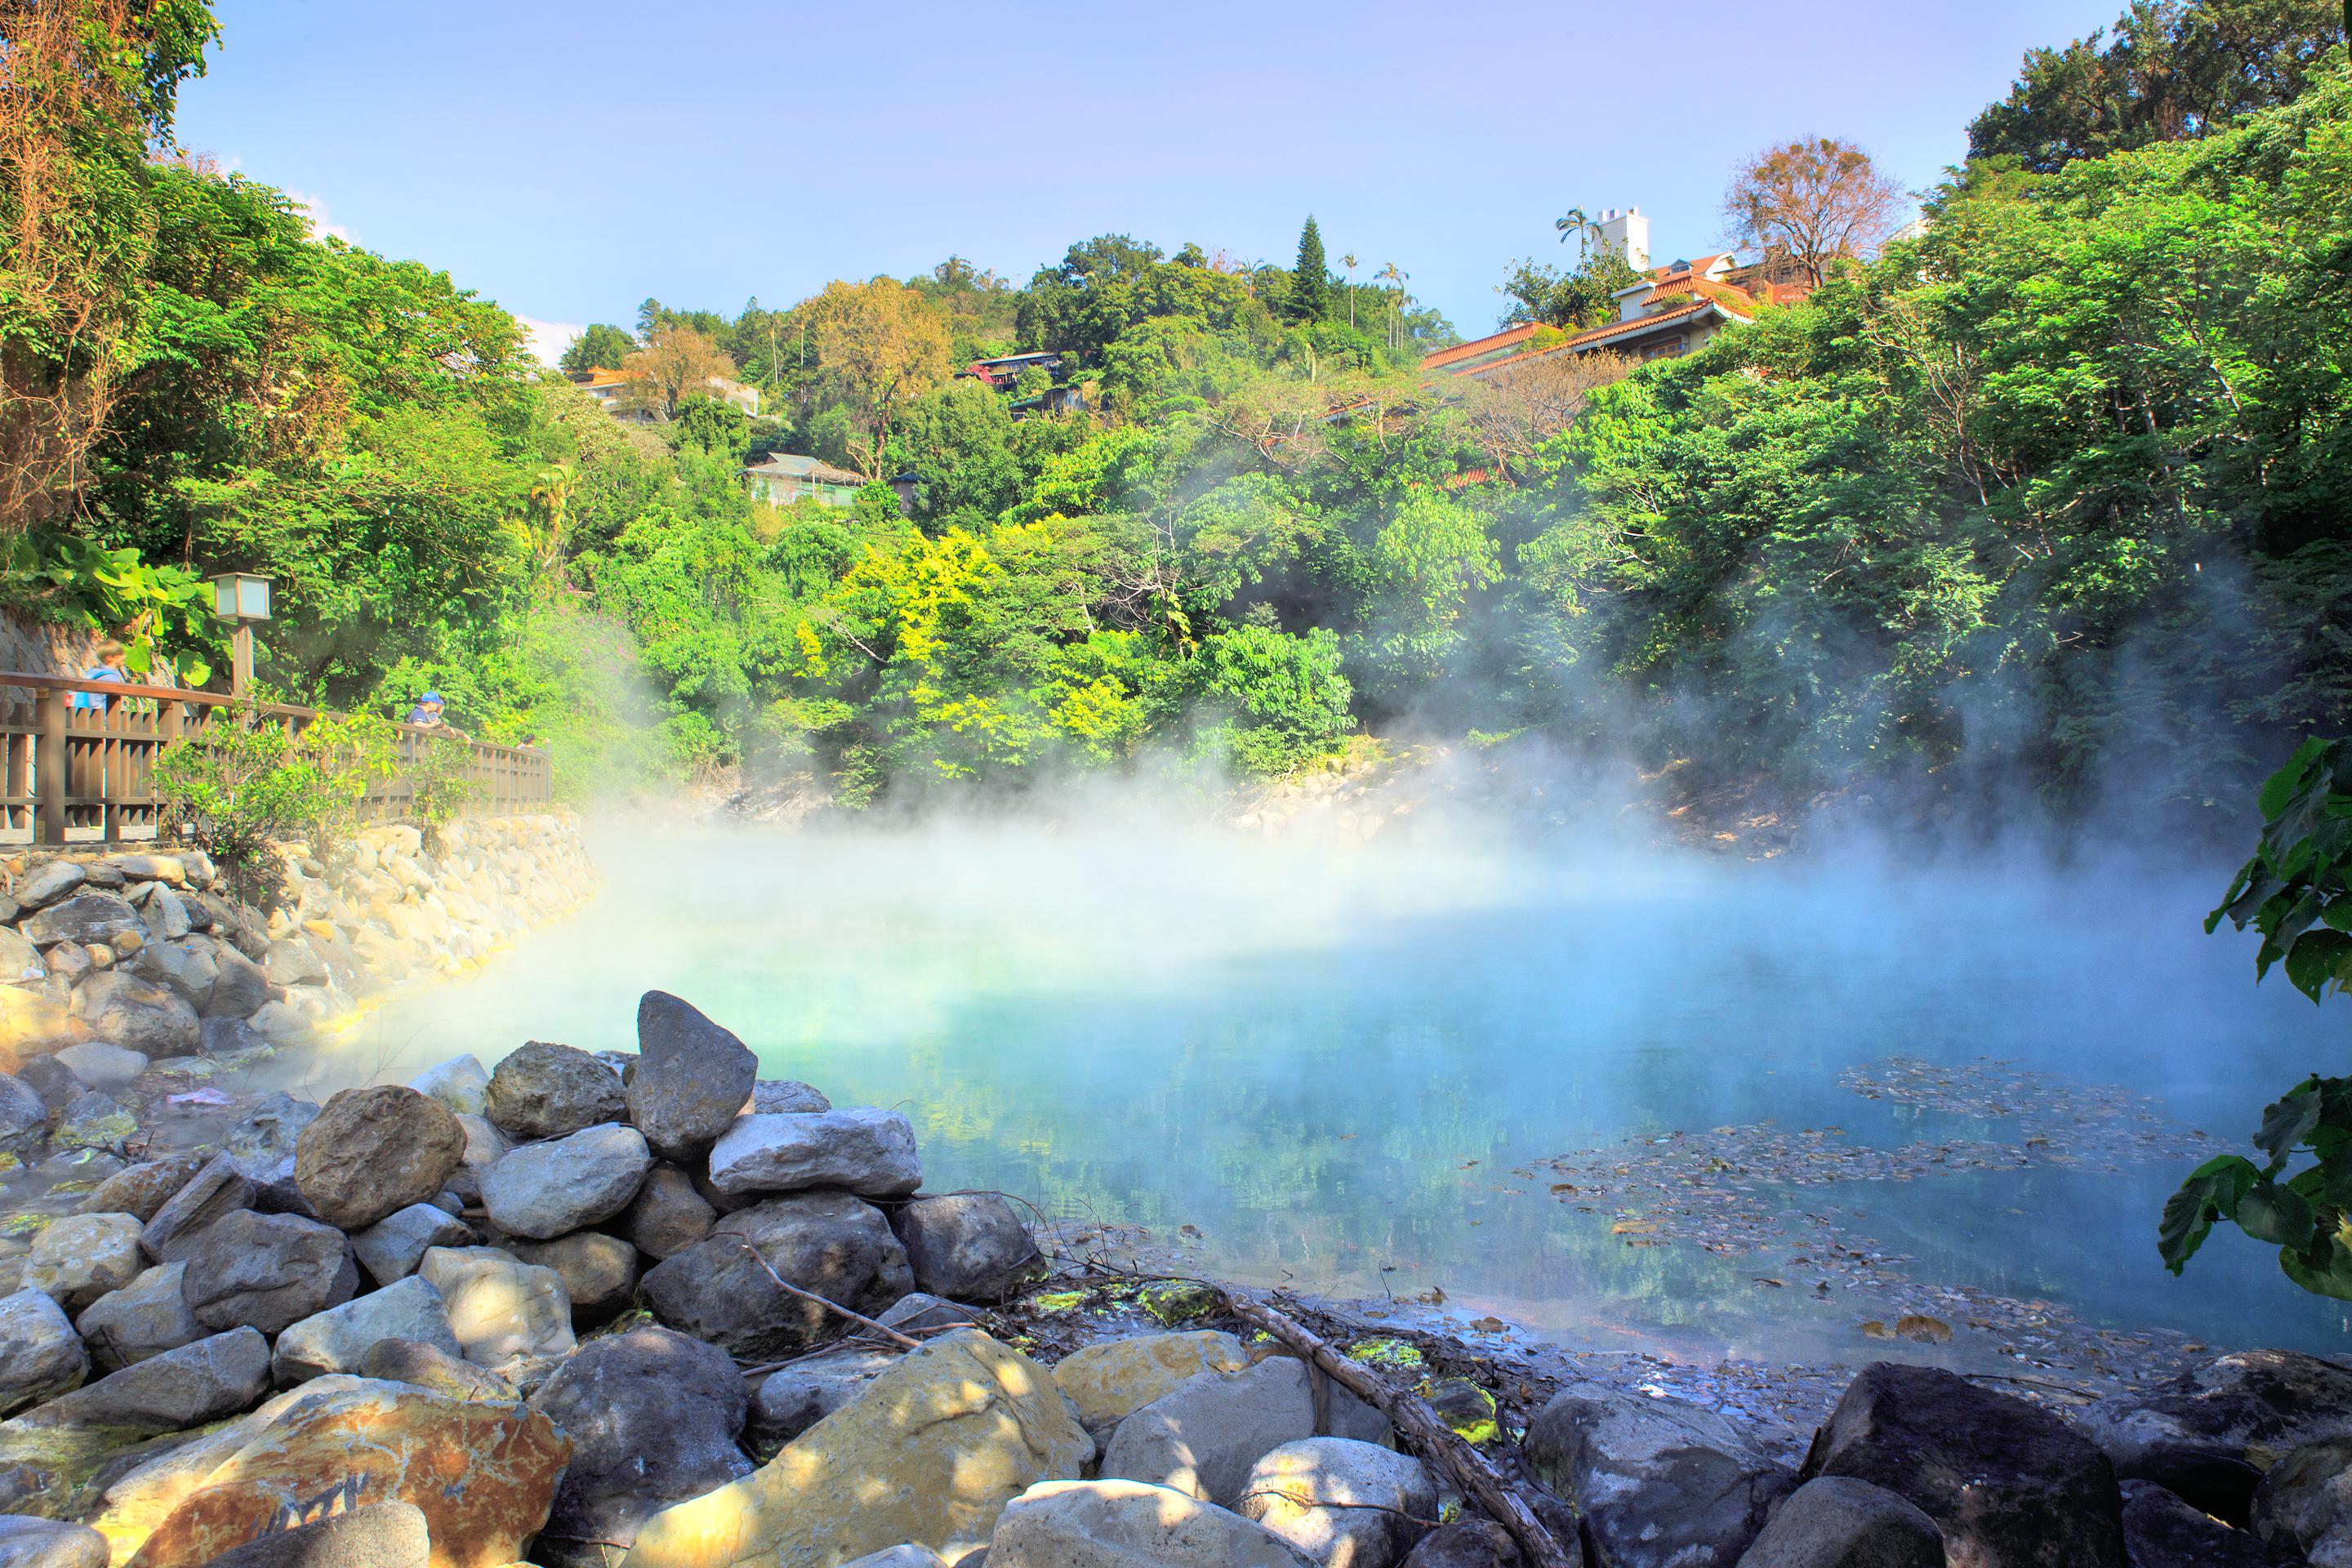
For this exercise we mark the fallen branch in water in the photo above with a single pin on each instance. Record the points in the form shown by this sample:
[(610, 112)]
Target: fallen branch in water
[(1416, 1421)]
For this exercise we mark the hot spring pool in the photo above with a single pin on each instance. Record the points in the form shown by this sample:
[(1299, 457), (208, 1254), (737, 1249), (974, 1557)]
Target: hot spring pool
[(1338, 1068)]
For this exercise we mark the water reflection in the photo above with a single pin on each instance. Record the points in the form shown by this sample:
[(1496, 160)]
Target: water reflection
[(1331, 1065)]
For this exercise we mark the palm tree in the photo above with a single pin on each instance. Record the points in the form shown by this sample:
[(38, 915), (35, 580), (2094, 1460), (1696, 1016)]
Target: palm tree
[(1574, 222), (1349, 263), (1391, 273)]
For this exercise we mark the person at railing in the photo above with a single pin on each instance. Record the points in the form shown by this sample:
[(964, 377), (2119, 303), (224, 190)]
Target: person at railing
[(426, 715), (112, 666)]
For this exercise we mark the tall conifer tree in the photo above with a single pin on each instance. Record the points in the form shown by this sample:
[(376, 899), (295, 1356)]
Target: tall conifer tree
[(1310, 290)]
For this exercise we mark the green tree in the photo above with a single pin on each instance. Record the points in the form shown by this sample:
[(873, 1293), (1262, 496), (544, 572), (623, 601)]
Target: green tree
[(600, 347), (1310, 290)]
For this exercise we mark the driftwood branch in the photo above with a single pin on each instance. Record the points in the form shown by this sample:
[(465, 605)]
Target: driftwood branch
[(1420, 1425), (888, 1333)]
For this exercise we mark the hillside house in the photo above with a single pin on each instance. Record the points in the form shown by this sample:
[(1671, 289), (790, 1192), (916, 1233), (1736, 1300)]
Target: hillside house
[(788, 477), (1002, 373)]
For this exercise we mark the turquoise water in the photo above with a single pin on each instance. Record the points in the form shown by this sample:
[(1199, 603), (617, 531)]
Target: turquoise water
[(1330, 1064)]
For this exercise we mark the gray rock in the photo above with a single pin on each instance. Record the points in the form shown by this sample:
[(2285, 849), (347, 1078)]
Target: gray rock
[(40, 1356), (390, 1249), (2208, 1434), (185, 967), (2160, 1531), (461, 1083), (668, 1215), (1118, 1523), (796, 1397), (831, 1243), (53, 1086), (406, 1361), (29, 1542), (141, 1189), (1345, 1504), (220, 1188), (864, 1150), (484, 1147), (47, 883), (24, 1118), (240, 988), (267, 1270), (1476, 1543), (910, 1555), (546, 1190), (140, 1321), (1835, 1521), (785, 1096), (82, 1256), (2009, 1484), (294, 962), (547, 1090), (372, 1151), (383, 1535), (1202, 1437), (969, 1246), (20, 962), (339, 1339), (2305, 1503), (622, 1062), (923, 1311), (1656, 1482), (102, 1066), (86, 917), (169, 1393), (71, 962), (263, 1146), (119, 1005), (600, 1271), (165, 913), (93, 1120), (502, 1309), (187, 871), (691, 1078), (653, 1418)]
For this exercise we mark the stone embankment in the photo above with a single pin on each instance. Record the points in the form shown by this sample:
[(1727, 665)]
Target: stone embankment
[(648, 1310), (105, 956)]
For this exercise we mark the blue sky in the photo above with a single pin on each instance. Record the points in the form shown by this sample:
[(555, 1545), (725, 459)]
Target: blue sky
[(569, 160)]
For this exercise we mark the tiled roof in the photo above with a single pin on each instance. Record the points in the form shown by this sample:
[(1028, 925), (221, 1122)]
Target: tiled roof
[(1477, 346), (600, 377), (1599, 335)]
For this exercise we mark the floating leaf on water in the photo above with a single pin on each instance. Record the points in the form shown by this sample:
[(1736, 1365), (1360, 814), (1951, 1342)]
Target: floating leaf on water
[(1922, 1329), (1875, 1330)]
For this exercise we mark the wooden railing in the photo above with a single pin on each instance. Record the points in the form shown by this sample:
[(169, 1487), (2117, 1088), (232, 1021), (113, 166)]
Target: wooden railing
[(77, 761)]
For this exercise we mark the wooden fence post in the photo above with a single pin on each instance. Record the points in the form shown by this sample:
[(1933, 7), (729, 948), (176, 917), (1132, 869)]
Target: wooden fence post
[(49, 768)]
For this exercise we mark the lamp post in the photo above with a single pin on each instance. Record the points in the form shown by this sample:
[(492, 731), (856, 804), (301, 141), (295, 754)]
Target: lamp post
[(241, 598)]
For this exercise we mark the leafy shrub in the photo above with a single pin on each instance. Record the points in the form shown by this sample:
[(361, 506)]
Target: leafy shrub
[(235, 786), (351, 754), (440, 781), (1285, 699)]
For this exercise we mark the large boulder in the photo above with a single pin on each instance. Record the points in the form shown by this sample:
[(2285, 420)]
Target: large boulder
[(2009, 1485), (599, 1271), (803, 1392), (81, 1258), (24, 1118), (384, 1535), (188, 967), (390, 1248), (546, 1091), (668, 1215), (502, 1309), (267, 1270), (93, 1120), (408, 1360), (220, 1188), (778, 1096), (1656, 1482), (1109, 1381), (240, 988), (484, 1147), (86, 917), (483, 1475), (2305, 1503), (1474, 1544), (48, 882), (461, 1083), (1116, 1523), (40, 1356), (546, 1190), (29, 1542), (1345, 1504), (866, 1151), (141, 1189), (931, 1453), (143, 1318), (339, 1339), (691, 1077), (263, 1146), (721, 1288), (969, 1245), (2160, 1531), (118, 1005), (1203, 1435), (654, 1418), (181, 1389), (1836, 1522), (2208, 1434), (101, 1065), (372, 1151)]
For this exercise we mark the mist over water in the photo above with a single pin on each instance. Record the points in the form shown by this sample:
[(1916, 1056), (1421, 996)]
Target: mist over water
[(1330, 1061)]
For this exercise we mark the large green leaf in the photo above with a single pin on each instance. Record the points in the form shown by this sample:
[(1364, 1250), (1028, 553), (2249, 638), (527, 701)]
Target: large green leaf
[(2212, 1190), (2323, 1268), (2278, 1215), (2289, 1121), (2318, 960)]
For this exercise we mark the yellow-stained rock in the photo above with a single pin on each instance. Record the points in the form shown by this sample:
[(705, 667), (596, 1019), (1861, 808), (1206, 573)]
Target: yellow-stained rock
[(1108, 1381), (930, 1453), (483, 1475)]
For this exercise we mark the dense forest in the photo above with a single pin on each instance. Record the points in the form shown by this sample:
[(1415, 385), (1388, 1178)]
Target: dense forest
[(2055, 493)]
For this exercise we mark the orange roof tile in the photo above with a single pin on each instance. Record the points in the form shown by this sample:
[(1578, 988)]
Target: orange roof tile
[(1477, 346), (1601, 334)]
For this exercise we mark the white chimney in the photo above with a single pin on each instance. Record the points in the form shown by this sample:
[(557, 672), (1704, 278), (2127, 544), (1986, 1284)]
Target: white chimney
[(1627, 234)]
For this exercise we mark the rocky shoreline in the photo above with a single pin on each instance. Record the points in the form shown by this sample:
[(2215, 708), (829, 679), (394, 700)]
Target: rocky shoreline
[(646, 1308)]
